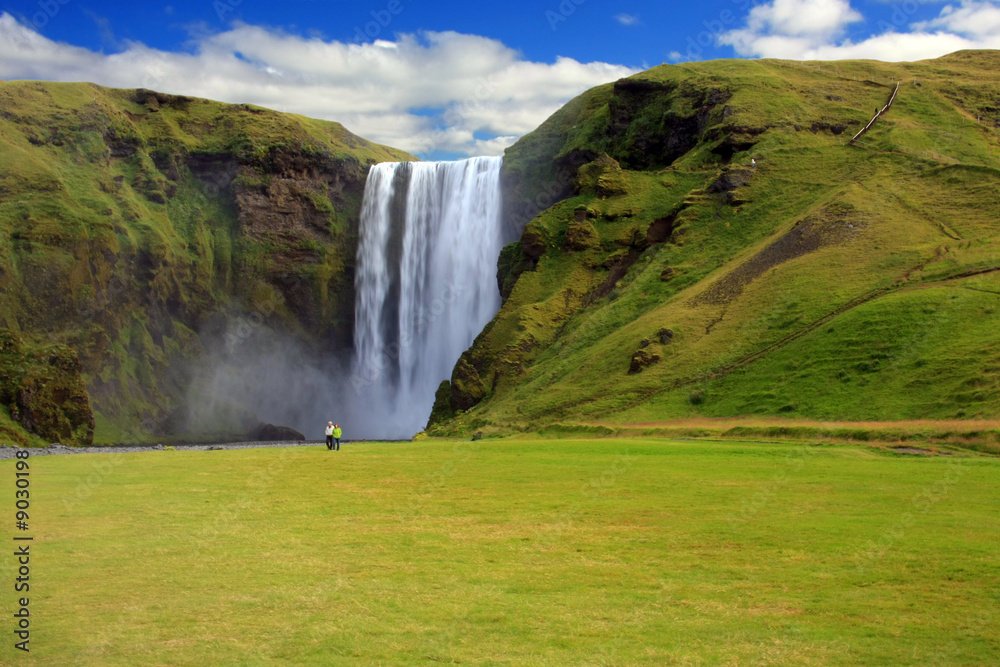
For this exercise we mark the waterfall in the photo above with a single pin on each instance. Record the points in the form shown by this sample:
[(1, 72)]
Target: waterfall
[(425, 283)]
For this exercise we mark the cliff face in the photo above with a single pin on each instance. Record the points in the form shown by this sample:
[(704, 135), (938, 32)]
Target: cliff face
[(307, 208), (705, 239), (44, 394), (134, 224), (643, 122)]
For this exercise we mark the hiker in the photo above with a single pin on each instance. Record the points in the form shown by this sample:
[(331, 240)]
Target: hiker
[(336, 435), (329, 435)]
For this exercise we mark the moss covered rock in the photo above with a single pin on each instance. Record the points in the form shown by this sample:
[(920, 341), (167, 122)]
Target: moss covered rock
[(534, 241), (581, 235), (603, 176), (44, 391), (467, 388), (729, 181), (512, 263), (442, 410), (643, 358)]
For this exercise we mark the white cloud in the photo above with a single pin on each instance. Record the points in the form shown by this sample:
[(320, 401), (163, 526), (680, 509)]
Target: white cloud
[(804, 18), (627, 19), (481, 86), (813, 30), (894, 47), (493, 146), (976, 19), (785, 28)]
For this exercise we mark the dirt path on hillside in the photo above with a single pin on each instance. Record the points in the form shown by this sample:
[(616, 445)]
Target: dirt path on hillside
[(902, 284)]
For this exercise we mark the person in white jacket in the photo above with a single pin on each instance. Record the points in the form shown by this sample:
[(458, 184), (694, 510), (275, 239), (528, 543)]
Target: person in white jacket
[(329, 435)]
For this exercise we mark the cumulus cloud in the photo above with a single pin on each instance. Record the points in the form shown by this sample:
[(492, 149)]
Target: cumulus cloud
[(804, 17), (627, 19), (784, 27), (814, 30), (431, 91), (975, 19)]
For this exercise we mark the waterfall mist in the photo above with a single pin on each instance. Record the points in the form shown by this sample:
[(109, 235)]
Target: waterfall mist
[(251, 373), (425, 283)]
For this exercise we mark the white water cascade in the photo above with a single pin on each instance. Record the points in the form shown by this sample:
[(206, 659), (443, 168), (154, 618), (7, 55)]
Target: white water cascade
[(426, 283)]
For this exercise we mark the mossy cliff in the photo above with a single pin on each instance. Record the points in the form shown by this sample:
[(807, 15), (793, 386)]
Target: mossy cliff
[(706, 240), (43, 394), (134, 223)]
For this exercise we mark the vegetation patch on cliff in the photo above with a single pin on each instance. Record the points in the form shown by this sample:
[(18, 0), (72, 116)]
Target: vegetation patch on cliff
[(42, 394)]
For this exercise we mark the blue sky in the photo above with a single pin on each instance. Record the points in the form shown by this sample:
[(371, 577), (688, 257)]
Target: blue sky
[(444, 79)]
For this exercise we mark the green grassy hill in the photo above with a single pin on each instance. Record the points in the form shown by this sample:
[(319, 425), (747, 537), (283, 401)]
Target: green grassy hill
[(663, 274), (131, 222)]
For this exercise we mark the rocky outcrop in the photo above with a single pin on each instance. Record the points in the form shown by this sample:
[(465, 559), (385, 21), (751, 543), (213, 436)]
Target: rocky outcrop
[(467, 388), (512, 263), (604, 175), (442, 410), (728, 183), (533, 242), (641, 359), (730, 179), (646, 123), (271, 433), (43, 390), (652, 123), (581, 235), (305, 208)]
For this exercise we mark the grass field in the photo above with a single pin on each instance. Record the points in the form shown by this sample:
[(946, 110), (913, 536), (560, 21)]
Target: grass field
[(523, 551)]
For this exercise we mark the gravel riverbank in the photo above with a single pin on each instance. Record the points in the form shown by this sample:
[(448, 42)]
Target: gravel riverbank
[(8, 451)]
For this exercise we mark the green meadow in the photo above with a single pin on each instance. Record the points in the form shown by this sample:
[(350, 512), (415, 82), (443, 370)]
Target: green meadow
[(613, 551)]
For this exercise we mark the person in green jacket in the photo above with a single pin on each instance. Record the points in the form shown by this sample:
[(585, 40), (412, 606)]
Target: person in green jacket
[(336, 436)]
